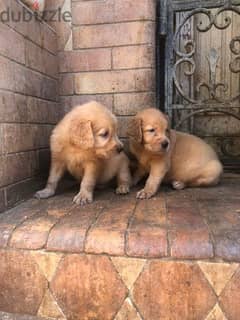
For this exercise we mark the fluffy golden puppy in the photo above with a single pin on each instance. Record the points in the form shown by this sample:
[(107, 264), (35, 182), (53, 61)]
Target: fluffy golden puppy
[(85, 143), (170, 156)]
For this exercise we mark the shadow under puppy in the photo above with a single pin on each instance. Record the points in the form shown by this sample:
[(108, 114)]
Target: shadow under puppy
[(169, 156), (85, 143)]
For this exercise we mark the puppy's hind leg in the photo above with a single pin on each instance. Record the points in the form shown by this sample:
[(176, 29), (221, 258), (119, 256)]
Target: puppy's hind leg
[(56, 172), (178, 185), (209, 176)]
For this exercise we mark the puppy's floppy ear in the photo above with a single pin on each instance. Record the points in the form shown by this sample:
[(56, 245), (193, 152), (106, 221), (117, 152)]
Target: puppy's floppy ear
[(81, 134), (134, 130)]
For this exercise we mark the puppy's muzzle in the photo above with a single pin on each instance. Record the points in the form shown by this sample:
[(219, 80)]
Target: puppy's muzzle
[(165, 145)]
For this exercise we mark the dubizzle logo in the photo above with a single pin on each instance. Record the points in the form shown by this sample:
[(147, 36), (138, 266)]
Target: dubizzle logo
[(26, 15)]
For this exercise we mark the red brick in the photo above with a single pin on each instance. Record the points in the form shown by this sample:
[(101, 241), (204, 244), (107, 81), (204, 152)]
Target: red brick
[(69, 233), (108, 35), (86, 60), (227, 244), (41, 60), (185, 216), (1, 138), (191, 243), (64, 35), (22, 190), (122, 126), (126, 104), (147, 235), (2, 200), (12, 107), (53, 4), (23, 137), (90, 12), (48, 38), (7, 80), (20, 78), (111, 224), (99, 242), (21, 166), (33, 233), (10, 219), (40, 86), (50, 62), (43, 111), (8, 38), (16, 7), (7, 106), (69, 102), (43, 156), (141, 56), (149, 242), (114, 81), (66, 83)]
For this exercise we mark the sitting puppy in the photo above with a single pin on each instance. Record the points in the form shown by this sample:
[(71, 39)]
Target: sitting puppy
[(170, 156), (85, 143)]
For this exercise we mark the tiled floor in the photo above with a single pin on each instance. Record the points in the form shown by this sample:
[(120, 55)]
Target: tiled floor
[(175, 256)]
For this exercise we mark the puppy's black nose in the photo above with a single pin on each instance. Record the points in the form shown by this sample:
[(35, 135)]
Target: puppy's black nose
[(165, 144), (119, 149)]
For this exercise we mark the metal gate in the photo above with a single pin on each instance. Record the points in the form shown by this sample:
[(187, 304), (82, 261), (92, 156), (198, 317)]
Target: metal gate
[(198, 58)]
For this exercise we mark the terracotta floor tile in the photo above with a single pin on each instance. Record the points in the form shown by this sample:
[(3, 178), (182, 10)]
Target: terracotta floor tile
[(127, 312), (173, 290), (218, 274), (230, 297), (216, 314), (22, 284), (128, 268), (88, 287)]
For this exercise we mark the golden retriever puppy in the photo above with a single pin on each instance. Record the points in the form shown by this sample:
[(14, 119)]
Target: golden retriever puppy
[(85, 143), (170, 156)]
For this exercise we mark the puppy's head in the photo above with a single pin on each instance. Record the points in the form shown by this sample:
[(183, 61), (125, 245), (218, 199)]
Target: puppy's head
[(94, 128), (151, 128)]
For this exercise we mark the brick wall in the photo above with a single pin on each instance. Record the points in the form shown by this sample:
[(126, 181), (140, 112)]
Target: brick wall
[(29, 104), (107, 53)]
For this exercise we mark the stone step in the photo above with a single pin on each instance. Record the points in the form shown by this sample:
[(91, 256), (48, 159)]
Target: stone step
[(173, 257)]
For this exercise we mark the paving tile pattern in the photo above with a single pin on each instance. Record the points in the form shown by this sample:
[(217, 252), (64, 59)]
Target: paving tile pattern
[(173, 257)]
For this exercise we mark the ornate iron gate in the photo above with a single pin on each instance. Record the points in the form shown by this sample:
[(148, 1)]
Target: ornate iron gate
[(200, 85)]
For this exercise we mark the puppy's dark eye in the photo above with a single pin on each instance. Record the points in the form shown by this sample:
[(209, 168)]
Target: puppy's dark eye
[(151, 130), (167, 131), (104, 134)]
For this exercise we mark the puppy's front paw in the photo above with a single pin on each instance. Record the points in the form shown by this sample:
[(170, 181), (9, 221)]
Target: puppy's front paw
[(122, 190), (144, 194), (83, 197), (44, 194)]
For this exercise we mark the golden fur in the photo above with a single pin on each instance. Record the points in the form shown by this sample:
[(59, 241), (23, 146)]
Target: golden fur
[(170, 156), (85, 143)]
